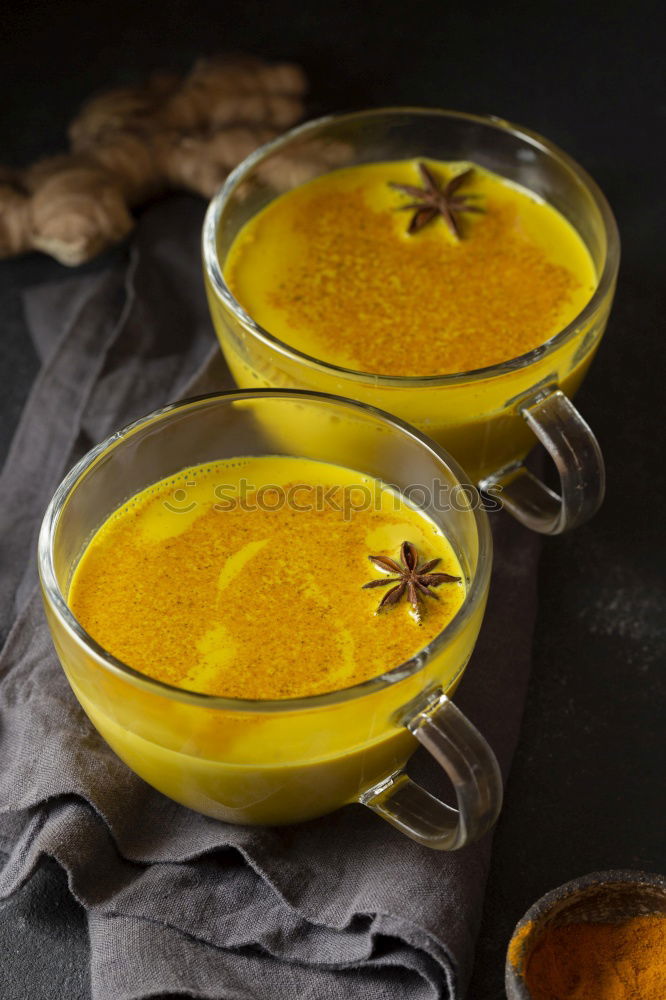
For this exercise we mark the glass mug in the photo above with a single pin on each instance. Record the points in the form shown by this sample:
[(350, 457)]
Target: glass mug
[(282, 761), (490, 418)]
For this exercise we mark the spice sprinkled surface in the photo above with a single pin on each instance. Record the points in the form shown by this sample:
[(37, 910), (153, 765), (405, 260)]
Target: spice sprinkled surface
[(329, 269), (255, 591)]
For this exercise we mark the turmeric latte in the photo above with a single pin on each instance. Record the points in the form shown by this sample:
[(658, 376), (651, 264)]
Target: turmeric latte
[(342, 270), (246, 578)]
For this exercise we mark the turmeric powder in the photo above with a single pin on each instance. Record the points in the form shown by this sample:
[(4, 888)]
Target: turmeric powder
[(183, 583), (332, 269), (600, 961)]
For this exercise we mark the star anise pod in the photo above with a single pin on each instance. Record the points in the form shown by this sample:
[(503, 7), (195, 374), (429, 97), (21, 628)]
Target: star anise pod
[(411, 578), (433, 200)]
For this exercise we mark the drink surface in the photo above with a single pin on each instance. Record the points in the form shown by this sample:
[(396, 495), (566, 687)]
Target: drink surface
[(330, 269), (244, 578)]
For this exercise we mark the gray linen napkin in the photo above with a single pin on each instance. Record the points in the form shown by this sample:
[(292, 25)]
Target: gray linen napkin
[(177, 903)]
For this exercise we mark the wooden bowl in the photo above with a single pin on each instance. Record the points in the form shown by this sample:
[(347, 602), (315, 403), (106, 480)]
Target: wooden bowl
[(602, 897)]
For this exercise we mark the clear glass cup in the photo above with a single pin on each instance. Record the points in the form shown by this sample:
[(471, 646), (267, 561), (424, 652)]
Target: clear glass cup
[(489, 419), (271, 762)]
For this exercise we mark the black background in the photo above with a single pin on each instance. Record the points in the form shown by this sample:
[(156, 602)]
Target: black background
[(587, 787)]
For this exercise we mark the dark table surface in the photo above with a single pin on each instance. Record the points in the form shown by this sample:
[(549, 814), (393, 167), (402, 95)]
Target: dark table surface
[(587, 787)]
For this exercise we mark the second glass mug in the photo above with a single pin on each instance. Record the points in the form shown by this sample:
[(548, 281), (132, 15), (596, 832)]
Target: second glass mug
[(283, 761), (490, 418)]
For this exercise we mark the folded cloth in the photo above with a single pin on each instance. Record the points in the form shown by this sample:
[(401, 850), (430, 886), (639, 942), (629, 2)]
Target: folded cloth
[(177, 903)]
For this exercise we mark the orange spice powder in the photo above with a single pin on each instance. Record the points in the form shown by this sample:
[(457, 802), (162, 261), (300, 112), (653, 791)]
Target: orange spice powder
[(517, 945), (351, 287), (590, 961), (256, 603)]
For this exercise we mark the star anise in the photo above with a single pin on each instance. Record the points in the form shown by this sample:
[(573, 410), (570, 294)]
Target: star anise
[(433, 200), (411, 578)]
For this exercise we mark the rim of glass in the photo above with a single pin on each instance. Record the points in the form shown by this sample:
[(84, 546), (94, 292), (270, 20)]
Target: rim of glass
[(76, 477), (604, 284)]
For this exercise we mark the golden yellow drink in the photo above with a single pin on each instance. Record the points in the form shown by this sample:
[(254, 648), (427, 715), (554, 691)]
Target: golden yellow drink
[(332, 270), (245, 579), (400, 320)]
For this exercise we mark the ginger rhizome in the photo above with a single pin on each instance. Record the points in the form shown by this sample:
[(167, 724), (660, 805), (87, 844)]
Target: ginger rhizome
[(134, 144)]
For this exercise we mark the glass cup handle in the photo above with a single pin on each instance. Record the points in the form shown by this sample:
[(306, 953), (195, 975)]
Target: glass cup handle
[(470, 764), (575, 451)]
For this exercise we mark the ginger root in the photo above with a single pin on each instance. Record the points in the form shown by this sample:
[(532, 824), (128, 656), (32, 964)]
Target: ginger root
[(135, 144)]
